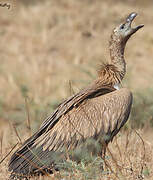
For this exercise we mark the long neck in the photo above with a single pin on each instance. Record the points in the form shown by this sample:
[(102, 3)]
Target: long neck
[(117, 55), (112, 73)]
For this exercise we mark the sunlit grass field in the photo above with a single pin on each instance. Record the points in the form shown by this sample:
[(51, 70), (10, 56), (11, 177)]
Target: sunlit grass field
[(52, 49)]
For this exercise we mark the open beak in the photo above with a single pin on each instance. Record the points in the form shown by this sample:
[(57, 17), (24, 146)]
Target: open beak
[(129, 20)]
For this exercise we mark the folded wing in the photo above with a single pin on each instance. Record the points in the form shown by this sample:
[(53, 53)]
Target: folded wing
[(93, 113)]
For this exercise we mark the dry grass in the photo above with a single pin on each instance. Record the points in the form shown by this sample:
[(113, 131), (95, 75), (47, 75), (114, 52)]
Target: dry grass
[(45, 45), (129, 157)]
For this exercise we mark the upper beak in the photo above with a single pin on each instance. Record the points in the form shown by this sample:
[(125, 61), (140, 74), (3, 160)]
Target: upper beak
[(129, 20)]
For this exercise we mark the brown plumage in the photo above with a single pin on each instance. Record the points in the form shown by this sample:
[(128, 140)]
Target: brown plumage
[(98, 112)]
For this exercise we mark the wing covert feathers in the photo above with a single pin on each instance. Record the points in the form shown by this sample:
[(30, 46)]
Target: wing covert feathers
[(94, 114)]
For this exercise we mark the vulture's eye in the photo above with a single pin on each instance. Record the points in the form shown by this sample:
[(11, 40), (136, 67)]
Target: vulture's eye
[(122, 26)]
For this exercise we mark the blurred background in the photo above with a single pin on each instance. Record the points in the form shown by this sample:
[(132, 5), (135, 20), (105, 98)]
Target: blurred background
[(51, 49)]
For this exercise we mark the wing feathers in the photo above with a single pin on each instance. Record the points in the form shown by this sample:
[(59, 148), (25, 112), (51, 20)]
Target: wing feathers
[(101, 113), (75, 120)]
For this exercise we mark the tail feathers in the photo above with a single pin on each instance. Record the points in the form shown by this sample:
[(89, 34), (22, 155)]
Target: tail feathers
[(33, 160)]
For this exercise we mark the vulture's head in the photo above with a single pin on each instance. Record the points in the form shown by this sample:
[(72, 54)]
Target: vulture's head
[(124, 30)]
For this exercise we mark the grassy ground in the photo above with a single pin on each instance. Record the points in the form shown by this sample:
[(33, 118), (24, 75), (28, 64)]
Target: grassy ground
[(45, 46)]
